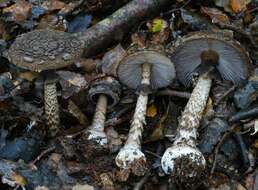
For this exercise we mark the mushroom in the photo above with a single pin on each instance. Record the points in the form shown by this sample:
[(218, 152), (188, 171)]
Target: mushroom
[(46, 51), (143, 70), (105, 93), (200, 52)]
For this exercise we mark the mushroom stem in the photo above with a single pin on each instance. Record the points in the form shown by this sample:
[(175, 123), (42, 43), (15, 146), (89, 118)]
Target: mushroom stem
[(51, 107), (130, 156), (96, 130), (183, 159)]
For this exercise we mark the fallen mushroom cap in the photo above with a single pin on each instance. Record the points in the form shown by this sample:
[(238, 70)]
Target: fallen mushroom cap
[(233, 60), (108, 86), (44, 50), (130, 69)]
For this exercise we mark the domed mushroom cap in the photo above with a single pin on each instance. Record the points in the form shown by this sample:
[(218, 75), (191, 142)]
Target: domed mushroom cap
[(189, 51), (130, 69), (44, 50)]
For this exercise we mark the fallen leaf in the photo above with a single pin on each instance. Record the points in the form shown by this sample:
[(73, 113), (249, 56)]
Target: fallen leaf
[(51, 21), (215, 15), (114, 141), (111, 60), (82, 187), (157, 25), (151, 111), (73, 78), (158, 132), (107, 182), (52, 5), (71, 83), (76, 112), (232, 6), (20, 11), (19, 180), (79, 23), (238, 5)]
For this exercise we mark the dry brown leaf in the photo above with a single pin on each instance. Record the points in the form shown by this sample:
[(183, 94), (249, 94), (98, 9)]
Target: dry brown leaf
[(215, 15), (158, 132), (19, 11), (111, 59), (51, 21), (238, 5), (151, 111)]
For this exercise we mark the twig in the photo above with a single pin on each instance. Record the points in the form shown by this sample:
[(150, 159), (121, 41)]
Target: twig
[(43, 153), (225, 95), (224, 137), (168, 92), (140, 184)]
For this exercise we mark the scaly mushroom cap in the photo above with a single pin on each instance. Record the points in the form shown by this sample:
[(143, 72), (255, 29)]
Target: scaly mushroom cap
[(219, 50), (108, 86), (130, 69), (41, 50)]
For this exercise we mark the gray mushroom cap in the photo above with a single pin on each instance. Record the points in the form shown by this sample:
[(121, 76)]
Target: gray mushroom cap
[(130, 69), (232, 64), (41, 50)]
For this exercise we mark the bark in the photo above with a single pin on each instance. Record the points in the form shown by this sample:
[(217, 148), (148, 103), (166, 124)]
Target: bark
[(51, 107), (112, 29), (96, 130), (130, 156)]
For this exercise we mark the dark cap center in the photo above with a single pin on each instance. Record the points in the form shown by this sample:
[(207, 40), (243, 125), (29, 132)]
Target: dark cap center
[(210, 57)]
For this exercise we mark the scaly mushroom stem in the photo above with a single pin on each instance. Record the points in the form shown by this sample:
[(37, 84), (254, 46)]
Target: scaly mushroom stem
[(51, 107), (96, 130), (183, 160), (130, 156)]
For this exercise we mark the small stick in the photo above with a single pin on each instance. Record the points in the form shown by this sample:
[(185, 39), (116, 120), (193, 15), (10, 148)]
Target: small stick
[(140, 184), (225, 95), (224, 137), (168, 92), (43, 153)]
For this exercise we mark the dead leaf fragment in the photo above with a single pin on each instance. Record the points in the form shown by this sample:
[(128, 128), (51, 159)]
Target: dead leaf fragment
[(53, 5), (19, 180), (111, 60), (215, 15), (151, 111), (82, 187), (238, 5), (19, 11)]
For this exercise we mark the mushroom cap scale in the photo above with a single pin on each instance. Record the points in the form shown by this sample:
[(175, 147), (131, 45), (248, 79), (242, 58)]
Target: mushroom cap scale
[(129, 70), (232, 58), (41, 50)]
